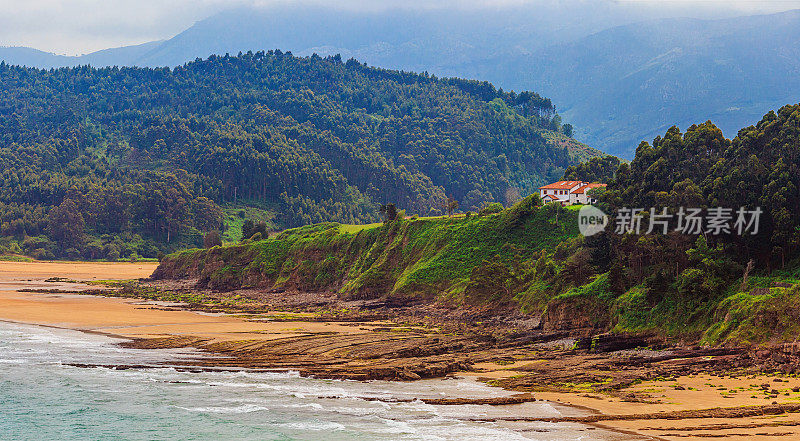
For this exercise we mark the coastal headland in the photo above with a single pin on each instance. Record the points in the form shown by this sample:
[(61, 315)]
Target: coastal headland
[(665, 393)]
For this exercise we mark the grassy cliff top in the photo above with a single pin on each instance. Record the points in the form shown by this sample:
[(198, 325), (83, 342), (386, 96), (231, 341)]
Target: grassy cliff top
[(414, 257)]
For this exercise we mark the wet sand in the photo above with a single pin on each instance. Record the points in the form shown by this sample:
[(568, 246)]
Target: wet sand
[(22, 271), (127, 317), (140, 319)]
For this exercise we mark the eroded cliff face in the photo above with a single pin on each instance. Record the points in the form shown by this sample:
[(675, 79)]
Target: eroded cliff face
[(579, 315), (316, 258), (430, 258), (213, 270), (574, 316)]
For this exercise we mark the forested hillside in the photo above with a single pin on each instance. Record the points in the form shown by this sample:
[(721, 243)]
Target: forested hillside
[(118, 162), (619, 72), (716, 284), (694, 285)]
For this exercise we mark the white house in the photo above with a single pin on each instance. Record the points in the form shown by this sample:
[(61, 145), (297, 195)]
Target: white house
[(568, 192)]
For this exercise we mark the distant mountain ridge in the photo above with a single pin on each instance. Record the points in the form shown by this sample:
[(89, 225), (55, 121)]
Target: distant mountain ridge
[(392, 38), (631, 83), (617, 86), (120, 56)]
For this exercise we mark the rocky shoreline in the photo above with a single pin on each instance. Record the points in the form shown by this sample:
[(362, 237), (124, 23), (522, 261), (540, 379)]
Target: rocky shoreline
[(582, 367), (638, 385)]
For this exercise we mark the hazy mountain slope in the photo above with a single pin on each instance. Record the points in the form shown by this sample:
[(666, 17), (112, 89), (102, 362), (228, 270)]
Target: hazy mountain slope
[(411, 40), (118, 56), (25, 56), (122, 56), (631, 83), (408, 39)]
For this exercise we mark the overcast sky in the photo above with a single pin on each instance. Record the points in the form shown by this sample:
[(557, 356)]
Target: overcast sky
[(81, 26)]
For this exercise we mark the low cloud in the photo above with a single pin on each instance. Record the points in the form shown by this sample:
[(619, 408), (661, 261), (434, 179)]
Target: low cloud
[(80, 26)]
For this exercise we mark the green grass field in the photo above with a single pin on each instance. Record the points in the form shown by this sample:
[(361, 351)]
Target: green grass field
[(353, 229), (15, 258)]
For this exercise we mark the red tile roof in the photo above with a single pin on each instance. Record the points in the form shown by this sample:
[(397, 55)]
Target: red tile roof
[(561, 185)]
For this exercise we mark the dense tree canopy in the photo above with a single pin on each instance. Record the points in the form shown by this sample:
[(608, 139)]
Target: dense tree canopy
[(94, 160), (597, 169), (757, 170)]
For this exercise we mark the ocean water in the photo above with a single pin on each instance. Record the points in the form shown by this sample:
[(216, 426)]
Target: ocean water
[(42, 397)]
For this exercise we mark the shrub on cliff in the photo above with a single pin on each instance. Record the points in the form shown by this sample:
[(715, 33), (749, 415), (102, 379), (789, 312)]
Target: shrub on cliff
[(212, 239)]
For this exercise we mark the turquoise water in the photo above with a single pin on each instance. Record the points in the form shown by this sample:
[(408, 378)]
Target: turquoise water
[(43, 398)]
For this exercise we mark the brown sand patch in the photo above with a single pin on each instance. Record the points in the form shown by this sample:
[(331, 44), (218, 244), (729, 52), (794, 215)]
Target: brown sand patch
[(771, 427), (698, 393), (128, 317), (12, 271)]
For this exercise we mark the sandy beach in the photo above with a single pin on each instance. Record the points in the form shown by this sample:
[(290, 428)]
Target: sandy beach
[(126, 317), (156, 321)]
